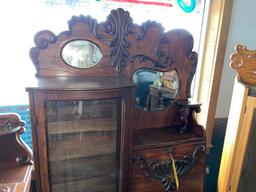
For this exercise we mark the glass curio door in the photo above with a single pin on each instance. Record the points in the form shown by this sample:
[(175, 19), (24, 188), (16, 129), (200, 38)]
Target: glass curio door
[(83, 139)]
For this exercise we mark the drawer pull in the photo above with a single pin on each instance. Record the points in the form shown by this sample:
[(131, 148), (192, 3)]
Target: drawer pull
[(161, 170)]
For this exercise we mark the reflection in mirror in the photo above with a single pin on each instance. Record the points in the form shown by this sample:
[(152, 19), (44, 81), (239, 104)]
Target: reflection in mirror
[(81, 54), (155, 90)]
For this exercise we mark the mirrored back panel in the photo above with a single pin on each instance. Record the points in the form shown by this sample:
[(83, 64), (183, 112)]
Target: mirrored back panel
[(155, 90), (81, 54)]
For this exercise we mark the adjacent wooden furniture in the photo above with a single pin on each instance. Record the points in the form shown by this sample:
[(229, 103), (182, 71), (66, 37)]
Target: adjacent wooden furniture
[(16, 157), (92, 130), (238, 156)]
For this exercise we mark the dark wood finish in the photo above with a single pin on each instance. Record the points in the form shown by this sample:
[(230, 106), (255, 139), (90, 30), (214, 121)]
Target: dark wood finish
[(16, 158), (161, 137), (79, 170), (125, 47), (193, 180), (81, 145), (80, 84), (65, 142)]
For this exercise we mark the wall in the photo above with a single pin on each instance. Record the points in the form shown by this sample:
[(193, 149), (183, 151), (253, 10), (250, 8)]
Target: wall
[(242, 30)]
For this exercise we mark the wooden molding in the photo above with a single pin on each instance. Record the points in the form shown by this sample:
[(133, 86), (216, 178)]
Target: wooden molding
[(231, 143), (212, 62), (242, 143)]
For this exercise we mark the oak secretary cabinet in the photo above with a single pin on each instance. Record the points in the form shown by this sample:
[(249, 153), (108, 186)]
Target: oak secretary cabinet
[(112, 108)]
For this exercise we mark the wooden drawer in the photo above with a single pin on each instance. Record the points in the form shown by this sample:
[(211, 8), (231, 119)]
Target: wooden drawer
[(149, 164)]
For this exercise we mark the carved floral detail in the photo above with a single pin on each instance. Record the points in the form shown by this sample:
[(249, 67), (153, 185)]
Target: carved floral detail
[(87, 20), (243, 61), (119, 24), (146, 25), (161, 59), (42, 40)]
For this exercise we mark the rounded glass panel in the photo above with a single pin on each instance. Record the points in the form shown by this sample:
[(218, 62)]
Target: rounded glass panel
[(81, 54), (155, 90)]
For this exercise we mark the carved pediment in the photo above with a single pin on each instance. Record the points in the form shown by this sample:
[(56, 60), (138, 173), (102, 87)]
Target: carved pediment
[(125, 48)]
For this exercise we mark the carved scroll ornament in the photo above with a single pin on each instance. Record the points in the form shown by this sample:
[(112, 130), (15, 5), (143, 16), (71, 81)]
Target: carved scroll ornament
[(162, 172), (161, 59), (243, 61), (11, 128)]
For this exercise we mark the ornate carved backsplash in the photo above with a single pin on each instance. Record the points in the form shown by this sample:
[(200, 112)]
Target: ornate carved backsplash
[(125, 47)]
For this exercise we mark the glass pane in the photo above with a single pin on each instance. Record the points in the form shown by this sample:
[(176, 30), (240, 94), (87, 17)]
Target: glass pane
[(155, 90), (83, 145)]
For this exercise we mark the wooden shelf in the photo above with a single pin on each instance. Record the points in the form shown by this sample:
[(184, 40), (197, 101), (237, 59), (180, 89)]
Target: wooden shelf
[(161, 137), (81, 145), (87, 107), (79, 126), (75, 169), (105, 183), (76, 83)]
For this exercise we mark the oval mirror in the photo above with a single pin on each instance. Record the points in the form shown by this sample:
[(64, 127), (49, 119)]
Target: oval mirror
[(155, 90), (81, 54)]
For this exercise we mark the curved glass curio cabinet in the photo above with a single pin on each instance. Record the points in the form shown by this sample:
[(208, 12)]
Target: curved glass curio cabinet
[(112, 106), (84, 130)]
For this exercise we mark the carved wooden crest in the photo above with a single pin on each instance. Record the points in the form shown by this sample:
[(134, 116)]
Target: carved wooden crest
[(243, 61), (125, 48)]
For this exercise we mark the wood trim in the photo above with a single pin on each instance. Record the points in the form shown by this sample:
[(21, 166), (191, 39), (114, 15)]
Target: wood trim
[(26, 184), (34, 135), (212, 62), (242, 142), (233, 134)]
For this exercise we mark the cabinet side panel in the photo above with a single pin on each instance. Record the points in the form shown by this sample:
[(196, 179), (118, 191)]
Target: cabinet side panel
[(34, 140), (246, 182), (246, 179), (39, 107)]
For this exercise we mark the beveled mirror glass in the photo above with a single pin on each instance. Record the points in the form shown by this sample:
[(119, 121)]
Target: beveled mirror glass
[(81, 54), (155, 90)]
